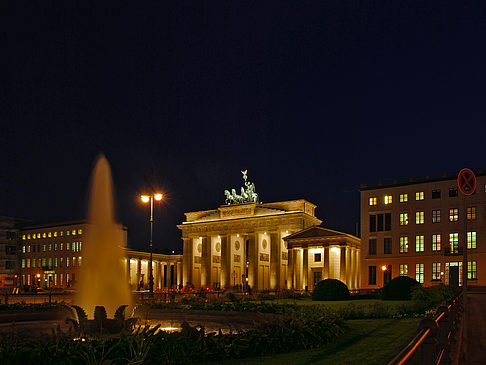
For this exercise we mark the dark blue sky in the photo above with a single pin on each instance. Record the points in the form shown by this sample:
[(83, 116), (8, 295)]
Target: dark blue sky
[(313, 98)]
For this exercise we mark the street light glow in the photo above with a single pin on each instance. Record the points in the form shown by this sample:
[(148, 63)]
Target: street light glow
[(158, 196), (145, 198), (384, 267)]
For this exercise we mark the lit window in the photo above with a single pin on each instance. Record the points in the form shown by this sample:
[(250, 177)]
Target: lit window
[(74, 232), (436, 271), (55, 246), (44, 247), (28, 263), (471, 239), (49, 235), (67, 246), (419, 273), (74, 261), (60, 246), (23, 249), (403, 269), (419, 217), (28, 236), (80, 245), (419, 195), (56, 262), (67, 233), (471, 213), (436, 216), (453, 215), (61, 233), (23, 236), (403, 219), (388, 199), (79, 260), (67, 261), (28, 248), (80, 231), (472, 272), (50, 262), (55, 234), (436, 242), (403, 244), (372, 201), (33, 262), (50, 246), (23, 263), (419, 243), (403, 198), (44, 262), (44, 235), (454, 242)]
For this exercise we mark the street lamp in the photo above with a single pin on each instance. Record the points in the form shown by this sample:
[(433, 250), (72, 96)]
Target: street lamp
[(146, 199)]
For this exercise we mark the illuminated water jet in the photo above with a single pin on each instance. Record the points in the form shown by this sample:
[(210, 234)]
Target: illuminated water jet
[(102, 279)]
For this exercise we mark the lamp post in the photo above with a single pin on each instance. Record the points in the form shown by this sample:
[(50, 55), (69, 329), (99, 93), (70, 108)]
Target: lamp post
[(146, 199)]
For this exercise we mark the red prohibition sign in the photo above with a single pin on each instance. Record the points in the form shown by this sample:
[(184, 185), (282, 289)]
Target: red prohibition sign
[(466, 180)]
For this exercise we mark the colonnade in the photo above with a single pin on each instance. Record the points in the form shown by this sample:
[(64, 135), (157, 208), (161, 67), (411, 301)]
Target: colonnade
[(167, 274)]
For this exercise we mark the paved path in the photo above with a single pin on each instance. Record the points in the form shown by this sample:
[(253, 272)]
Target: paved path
[(476, 327)]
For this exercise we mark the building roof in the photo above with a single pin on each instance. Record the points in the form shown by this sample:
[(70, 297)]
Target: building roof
[(318, 232), (413, 181)]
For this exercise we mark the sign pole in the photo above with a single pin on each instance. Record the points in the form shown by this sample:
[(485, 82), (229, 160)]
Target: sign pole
[(466, 181)]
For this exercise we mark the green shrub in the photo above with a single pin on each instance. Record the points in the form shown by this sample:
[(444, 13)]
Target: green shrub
[(399, 288), (330, 289), (433, 294)]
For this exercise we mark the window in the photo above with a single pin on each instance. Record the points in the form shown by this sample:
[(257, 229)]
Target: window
[(44, 248), (44, 262), (23, 263), (50, 246), (419, 273), (372, 223), (419, 195), (388, 199), (55, 246), (436, 271), (388, 222), (379, 226), (372, 201), (33, 262), (23, 249), (471, 213), (56, 262), (472, 272), (67, 261), (60, 246), (453, 215), (419, 217), (436, 194), (404, 219), (454, 242), (471, 239), (419, 244), (67, 245), (387, 246), (28, 248), (79, 260), (371, 275), (50, 262), (317, 257), (403, 198), (452, 192), (55, 234), (80, 231), (436, 216), (403, 244), (372, 246), (436, 242), (403, 269)]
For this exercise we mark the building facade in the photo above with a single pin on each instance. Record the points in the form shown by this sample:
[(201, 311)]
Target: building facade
[(9, 228), (51, 256), (419, 228), (318, 253)]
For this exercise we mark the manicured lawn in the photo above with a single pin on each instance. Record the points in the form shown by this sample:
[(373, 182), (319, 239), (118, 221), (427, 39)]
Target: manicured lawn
[(366, 341)]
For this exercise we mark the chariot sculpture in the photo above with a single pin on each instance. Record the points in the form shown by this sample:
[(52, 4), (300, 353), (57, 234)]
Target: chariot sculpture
[(248, 193)]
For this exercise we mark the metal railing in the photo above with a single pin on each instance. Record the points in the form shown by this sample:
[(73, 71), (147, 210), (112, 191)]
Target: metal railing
[(434, 337)]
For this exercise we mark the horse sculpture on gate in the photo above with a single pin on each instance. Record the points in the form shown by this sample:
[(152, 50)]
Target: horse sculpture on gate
[(248, 195)]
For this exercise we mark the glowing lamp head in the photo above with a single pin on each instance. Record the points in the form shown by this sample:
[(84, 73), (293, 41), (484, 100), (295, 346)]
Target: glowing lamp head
[(384, 267), (145, 198), (158, 196), (38, 276)]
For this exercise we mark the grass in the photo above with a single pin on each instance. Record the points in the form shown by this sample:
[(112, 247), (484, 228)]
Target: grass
[(366, 341)]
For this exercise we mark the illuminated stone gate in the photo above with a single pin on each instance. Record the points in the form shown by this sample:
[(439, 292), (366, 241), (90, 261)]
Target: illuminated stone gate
[(243, 243)]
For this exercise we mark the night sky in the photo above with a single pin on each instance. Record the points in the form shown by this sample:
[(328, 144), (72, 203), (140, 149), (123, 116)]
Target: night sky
[(313, 98)]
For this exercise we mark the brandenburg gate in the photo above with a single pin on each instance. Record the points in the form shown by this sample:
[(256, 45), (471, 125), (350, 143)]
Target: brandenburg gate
[(242, 242)]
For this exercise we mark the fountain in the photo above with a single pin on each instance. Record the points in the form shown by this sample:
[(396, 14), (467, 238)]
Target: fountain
[(102, 279)]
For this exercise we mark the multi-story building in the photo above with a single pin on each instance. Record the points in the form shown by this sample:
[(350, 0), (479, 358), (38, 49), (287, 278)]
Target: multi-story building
[(50, 255), (8, 252), (418, 228)]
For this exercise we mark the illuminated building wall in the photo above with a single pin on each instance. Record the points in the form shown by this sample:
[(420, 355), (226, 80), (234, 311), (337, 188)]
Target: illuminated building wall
[(416, 228), (245, 243)]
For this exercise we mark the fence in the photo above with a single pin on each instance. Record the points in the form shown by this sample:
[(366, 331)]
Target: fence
[(434, 336)]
